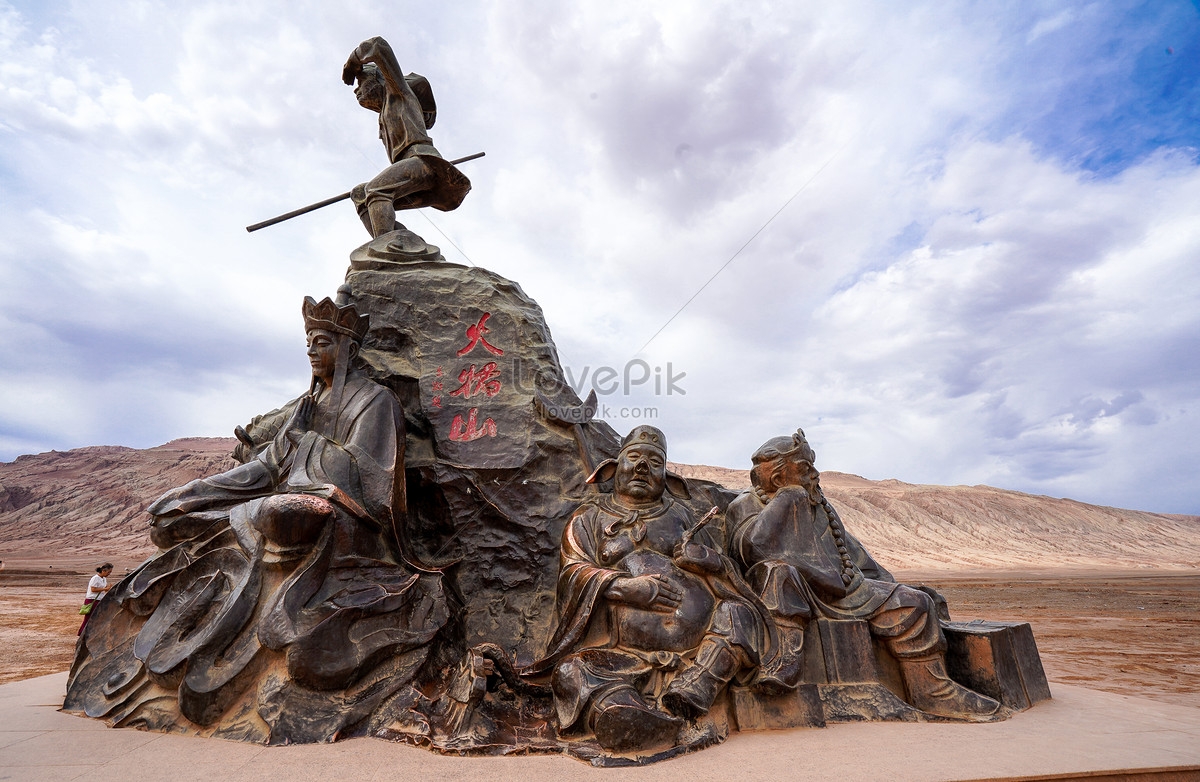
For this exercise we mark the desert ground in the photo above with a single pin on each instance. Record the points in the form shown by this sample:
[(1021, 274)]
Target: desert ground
[(1130, 632)]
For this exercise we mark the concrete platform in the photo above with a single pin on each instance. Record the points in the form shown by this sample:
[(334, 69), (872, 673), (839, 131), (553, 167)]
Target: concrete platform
[(1081, 734)]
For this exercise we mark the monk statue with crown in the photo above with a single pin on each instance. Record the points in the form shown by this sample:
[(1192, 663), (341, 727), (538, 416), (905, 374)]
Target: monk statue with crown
[(653, 621), (797, 554), (282, 605)]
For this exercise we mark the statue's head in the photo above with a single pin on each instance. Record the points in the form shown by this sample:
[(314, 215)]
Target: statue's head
[(786, 461), (639, 472), (334, 334), (370, 89), (642, 466)]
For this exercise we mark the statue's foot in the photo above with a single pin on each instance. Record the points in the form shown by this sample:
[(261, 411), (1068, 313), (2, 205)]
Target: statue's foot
[(388, 249), (692, 693), (932, 691), (771, 685), (691, 696), (781, 676), (628, 726)]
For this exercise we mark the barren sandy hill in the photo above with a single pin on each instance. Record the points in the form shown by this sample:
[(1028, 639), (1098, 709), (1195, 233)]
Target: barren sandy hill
[(89, 504), (914, 527)]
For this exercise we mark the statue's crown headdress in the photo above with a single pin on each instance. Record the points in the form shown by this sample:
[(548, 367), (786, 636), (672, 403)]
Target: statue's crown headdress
[(328, 316)]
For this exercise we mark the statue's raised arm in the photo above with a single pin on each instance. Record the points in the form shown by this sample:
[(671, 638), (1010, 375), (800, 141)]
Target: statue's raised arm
[(378, 52)]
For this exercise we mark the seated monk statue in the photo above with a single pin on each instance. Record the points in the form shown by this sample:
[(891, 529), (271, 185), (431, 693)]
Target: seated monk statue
[(795, 552), (339, 446), (651, 623), (281, 577)]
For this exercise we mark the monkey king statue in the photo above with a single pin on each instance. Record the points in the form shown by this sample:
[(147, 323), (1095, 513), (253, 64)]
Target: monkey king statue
[(418, 175)]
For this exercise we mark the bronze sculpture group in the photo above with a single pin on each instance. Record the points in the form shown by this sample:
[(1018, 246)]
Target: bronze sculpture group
[(291, 601)]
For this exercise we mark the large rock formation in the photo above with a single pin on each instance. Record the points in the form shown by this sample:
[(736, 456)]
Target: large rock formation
[(279, 608), (499, 445)]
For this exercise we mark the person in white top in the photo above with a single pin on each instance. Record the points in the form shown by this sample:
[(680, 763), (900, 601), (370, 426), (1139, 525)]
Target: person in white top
[(97, 586)]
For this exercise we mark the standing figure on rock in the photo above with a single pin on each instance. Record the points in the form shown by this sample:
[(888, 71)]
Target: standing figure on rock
[(653, 621), (280, 607), (418, 175), (802, 561)]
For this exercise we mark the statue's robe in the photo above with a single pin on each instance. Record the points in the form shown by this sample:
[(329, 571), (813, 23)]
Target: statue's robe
[(788, 551), (280, 607), (353, 456), (600, 644)]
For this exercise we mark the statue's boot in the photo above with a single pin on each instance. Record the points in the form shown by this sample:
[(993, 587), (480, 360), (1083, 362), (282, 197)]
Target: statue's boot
[(782, 673), (931, 690), (623, 722), (692, 693)]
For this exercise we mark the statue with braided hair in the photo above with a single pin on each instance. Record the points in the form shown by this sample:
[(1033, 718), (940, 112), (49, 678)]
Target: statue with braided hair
[(803, 563)]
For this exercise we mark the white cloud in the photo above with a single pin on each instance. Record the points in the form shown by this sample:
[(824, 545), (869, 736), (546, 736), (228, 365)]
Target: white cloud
[(1052, 24), (945, 298)]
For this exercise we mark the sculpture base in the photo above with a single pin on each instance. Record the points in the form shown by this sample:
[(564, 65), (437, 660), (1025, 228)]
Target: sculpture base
[(1081, 734), (849, 679), (999, 659), (493, 725), (392, 250), (799, 709)]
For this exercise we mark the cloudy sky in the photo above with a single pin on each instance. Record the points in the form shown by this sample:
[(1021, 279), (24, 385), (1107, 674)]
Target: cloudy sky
[(956, 242)]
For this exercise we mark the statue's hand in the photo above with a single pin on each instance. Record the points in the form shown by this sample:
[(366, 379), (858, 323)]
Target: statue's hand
[(651, 591), (370, 50), (301, 418), (790, 492), (697, 558), (352, 68)]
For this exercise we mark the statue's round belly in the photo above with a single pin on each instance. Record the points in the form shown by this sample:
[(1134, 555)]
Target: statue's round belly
[(674, 631)]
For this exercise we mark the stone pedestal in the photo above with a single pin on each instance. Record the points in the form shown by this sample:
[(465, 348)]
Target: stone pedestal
[(999, 659)]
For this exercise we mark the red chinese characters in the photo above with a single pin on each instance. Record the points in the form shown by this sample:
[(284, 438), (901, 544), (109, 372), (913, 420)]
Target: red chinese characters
[(474, 381), (476, 334), (471, 430)]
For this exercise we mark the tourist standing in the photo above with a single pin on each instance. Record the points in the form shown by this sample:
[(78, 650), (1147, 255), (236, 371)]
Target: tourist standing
[(97, 586)]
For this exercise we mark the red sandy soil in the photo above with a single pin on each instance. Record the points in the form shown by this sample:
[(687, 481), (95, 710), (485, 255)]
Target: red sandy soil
[(1129, 632), (39, 616)]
